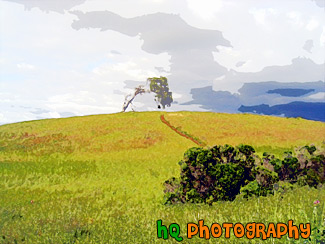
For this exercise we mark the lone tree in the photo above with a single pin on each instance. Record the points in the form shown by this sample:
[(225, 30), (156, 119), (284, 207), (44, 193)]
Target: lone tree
[(157, 85)]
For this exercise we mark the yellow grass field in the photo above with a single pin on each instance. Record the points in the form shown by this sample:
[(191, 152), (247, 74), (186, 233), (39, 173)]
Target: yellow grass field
[(99, 179)]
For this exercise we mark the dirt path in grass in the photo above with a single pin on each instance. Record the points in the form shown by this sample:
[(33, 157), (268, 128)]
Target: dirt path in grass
[(182, 133)]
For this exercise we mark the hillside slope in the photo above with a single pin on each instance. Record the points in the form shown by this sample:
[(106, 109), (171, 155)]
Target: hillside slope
[(99, 178), (100, 134)]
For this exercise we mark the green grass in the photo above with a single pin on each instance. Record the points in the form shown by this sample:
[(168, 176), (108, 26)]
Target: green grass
[(99, 179)]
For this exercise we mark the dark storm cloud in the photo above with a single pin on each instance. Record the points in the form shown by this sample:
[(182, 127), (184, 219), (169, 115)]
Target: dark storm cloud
[(291, 99), (279, 92), (49, 5), (190, 48), (255, 93), (221, 101), (302, 74), (161, 32), (271, 91), (306, 110), (301, 70)]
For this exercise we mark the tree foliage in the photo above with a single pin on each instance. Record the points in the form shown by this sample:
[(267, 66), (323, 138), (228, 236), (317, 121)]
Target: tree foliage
[(158, 85)]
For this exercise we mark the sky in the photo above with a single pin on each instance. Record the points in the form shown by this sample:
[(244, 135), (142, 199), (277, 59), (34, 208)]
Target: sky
[(71, 58)]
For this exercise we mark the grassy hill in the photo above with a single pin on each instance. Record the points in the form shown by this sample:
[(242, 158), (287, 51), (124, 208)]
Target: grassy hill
[(98, 179)]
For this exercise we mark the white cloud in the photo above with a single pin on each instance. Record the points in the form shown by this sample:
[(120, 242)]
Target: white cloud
[(131, 8), (312, 25), (78, 97), (318, 96), (269, 33), (295, 19), (138, 67), (131, 69), (2, 118), (176, 95), (322, 38), (84, 102), (205, 9), (152, 1), (51, 115), (77, 72), (268, 53), (25, 66), (261, 15)]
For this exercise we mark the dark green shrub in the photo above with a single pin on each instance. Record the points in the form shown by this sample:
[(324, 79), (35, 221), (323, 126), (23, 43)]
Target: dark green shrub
[(306, 168), (290, 168), (252, 188), (310, 149), (315, 172), (266, 179), (312, 166), (222, 172), (172, 194), (262, 185), (209, 175)]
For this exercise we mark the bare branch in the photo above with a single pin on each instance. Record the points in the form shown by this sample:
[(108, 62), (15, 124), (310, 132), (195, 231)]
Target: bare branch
[(138, 90)]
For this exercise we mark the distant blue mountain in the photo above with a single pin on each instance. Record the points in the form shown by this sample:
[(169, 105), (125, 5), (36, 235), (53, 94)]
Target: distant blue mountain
[(306, 110), (290, 92)]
